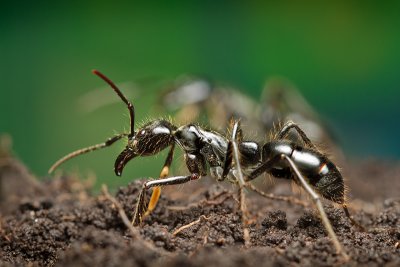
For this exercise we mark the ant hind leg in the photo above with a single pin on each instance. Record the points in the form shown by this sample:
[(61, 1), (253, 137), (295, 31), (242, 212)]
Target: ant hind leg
[(268, 165), (353, 222), (291, 125), (317, 201)]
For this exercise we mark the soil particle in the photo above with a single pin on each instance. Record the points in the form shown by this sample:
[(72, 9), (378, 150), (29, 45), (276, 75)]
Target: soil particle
[(275, 219)]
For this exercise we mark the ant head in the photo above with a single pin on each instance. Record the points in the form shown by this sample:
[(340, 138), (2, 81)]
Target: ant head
[(148, 140)]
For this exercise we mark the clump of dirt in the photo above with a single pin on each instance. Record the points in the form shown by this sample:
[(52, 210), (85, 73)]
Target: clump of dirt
[(59, 222)]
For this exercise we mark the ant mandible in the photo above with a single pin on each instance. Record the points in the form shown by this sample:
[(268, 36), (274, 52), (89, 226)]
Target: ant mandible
[(237, 160)]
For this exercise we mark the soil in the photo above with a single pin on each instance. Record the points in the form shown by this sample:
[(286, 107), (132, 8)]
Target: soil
[(59, 222)]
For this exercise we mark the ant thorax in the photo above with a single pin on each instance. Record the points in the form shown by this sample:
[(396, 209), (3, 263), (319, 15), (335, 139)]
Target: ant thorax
[(193, 139), (306, 159), (211, 145)]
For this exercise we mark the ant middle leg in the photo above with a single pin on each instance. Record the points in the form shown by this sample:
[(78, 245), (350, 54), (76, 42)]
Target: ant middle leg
[(245, 220), (232, 154), (237, 135)]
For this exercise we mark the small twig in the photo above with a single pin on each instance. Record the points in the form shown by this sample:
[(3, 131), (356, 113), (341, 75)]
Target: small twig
[(279, 250), (179, 208), (205, 241), (205, 237), (134, 232), (223, 192), (377, 230), (202, 218), (216, 202)]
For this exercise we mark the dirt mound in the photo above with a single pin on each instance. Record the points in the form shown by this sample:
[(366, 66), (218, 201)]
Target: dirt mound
[(59, 223)]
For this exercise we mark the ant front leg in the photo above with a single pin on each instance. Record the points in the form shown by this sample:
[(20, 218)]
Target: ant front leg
[(155, 196), (196, 166), (141, 205)]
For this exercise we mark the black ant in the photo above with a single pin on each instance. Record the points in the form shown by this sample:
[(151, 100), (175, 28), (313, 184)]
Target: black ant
[(237, 160)]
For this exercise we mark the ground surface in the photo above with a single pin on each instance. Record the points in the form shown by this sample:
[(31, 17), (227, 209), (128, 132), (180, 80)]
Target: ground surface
[(59, 223)]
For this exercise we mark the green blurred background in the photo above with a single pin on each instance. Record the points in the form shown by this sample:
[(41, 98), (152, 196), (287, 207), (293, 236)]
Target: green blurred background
[(343, 55)]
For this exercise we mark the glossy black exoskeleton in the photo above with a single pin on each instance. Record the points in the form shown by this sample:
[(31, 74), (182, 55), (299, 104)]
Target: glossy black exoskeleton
[(235, 159)]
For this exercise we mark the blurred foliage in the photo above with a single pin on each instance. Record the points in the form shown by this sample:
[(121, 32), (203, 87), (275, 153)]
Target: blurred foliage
[(343, 55)]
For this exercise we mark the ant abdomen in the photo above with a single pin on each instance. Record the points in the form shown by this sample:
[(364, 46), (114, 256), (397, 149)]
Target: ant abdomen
[(320, 172), (329, 182)]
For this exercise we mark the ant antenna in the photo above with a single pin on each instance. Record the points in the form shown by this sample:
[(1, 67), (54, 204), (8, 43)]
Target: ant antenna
[(109, 141), (85, 150), (131, 108)]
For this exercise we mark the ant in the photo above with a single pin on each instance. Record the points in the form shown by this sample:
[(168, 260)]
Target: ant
[(235, 159)]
